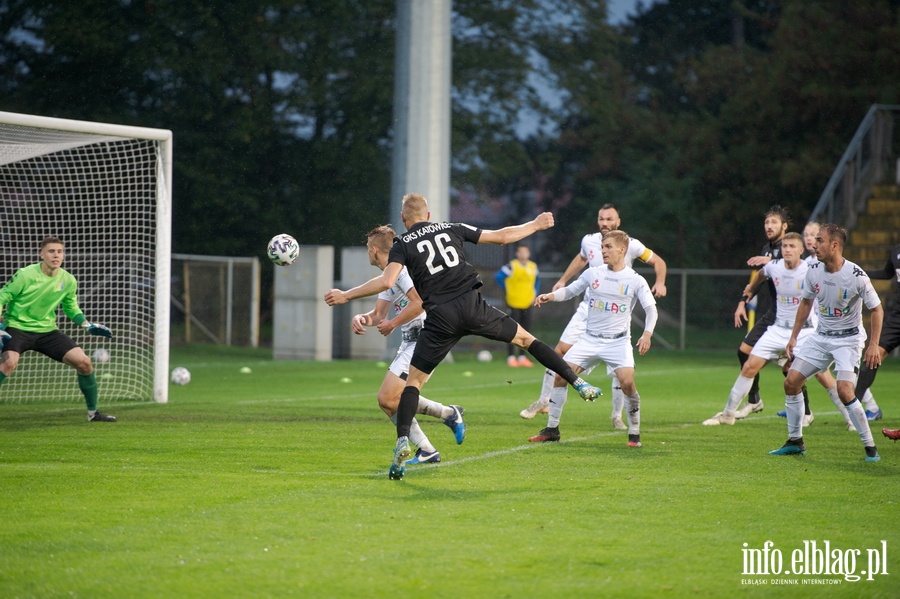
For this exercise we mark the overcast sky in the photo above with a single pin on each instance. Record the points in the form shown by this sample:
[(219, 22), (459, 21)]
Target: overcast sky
[(619, 9)]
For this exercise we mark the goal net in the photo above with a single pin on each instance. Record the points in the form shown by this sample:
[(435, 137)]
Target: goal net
[(105, 190)]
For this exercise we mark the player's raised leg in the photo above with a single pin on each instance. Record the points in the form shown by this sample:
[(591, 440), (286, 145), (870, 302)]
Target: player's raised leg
[(544, 354)]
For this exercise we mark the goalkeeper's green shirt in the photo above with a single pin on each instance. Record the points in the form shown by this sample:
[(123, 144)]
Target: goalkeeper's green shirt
[(31, 299)]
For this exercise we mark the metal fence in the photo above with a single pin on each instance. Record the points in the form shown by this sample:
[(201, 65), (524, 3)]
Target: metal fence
[(215, 299), (868, 160), (697, 312)]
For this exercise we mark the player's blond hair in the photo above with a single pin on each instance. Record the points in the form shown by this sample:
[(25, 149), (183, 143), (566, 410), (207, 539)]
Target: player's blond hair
[(382, 237), (618, 237), (415, 206), (795, 236)]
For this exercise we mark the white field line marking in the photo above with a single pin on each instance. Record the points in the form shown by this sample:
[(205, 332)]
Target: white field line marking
[(511, 450)]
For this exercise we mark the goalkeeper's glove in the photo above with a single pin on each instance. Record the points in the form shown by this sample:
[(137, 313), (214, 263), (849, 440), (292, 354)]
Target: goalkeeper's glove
[(3, 334), (97, 329)]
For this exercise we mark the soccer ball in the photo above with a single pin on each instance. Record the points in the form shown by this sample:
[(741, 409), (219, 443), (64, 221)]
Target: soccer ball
[(181, 375), (283, 249), (101, 356), (484, 356)]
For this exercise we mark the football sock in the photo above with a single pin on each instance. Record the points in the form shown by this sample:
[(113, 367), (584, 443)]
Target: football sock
[(2, 378), (753, 394), (864, 380), (618, 398), (742, 358), (557, 400), (738, 392), (547, 385), (406, 410), (432, 408), (418, 438), (88, 385), (869, 401), (836, 400), (859, 420), (544, 354), (416, 435), (634, 413), (793, 405), (805, 400)]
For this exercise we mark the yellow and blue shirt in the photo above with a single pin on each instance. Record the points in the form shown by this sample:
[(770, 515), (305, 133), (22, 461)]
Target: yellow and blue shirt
[(520, 282)]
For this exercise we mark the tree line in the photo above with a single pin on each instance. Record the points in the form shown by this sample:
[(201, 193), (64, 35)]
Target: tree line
[(693, 116)]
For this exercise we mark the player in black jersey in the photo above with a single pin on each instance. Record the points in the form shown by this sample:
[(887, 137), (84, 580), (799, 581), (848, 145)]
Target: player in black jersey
[(890, 330), (434, 256)]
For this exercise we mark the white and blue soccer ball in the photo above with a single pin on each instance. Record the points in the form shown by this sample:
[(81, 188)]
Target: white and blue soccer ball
[(484, 356), (283, 249), (181, 375)]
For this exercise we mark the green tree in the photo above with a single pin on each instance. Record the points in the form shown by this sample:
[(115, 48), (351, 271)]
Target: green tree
[(707, 112), (281, 112)]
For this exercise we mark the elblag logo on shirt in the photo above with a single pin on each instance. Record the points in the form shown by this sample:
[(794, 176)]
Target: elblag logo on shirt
[(608, 306)]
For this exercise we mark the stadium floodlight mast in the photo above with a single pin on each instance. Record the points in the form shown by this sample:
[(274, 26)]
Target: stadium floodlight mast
[(106, 191)]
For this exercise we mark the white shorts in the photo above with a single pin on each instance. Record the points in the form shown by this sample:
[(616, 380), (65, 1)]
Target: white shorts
[(577, 325), (400, 365), (590, 351), (771, 345), (819, 350)]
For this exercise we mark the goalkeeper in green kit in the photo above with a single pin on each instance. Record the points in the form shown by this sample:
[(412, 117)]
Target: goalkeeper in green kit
[(31, 298)]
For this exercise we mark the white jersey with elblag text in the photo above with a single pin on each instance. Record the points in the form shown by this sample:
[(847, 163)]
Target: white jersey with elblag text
[(840, 296), (610, 297), (789, 284)]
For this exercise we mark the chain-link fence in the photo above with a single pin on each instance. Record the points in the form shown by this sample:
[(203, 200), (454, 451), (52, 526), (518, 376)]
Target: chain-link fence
[(215, 299)]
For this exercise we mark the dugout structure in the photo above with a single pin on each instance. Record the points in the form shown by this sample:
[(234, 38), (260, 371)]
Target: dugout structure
[(106, 190)]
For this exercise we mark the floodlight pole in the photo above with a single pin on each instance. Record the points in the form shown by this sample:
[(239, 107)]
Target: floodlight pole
[(421, 160)]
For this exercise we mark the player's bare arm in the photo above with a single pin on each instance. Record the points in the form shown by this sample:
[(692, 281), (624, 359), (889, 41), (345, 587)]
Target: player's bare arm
[(371, 318), (740, 313), (382, 282), (759, 260), (752, 286), (643, 344), (517, 232), (412, 311), (544, 298), (659, 267), (575, 266), (873, 355)]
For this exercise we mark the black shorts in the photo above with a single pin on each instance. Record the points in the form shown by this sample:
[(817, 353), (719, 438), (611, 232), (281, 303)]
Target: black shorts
[(762, 323), (890, 331), (449, 322), (54, 344)]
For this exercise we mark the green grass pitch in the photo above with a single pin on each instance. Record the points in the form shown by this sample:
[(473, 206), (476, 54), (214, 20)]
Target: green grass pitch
[(274, 484)]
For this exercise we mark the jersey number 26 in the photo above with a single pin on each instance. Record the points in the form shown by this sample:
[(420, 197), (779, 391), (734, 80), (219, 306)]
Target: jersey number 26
[(448, 252)]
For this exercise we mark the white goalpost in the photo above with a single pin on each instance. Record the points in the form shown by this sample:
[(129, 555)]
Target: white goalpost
[(106, 191)]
